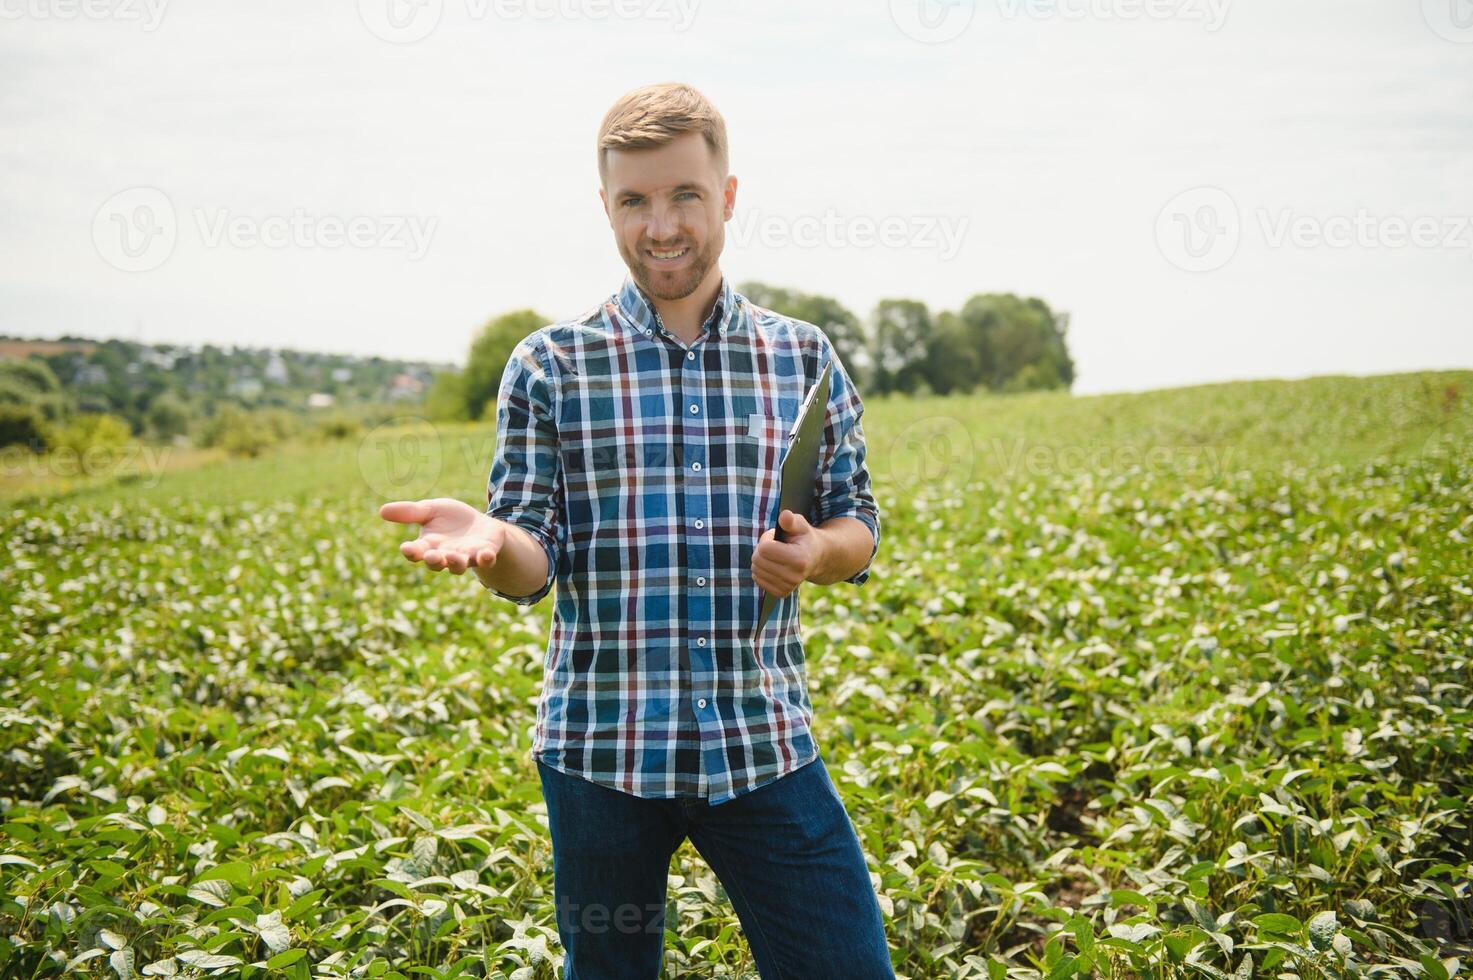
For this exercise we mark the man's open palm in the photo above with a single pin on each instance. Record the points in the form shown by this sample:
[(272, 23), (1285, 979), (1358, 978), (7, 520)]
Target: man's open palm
[(452, 533)]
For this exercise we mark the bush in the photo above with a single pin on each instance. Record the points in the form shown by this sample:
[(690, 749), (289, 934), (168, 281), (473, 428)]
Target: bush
[(338, 425), (24, 425), (238, 432), (168, 416), (282, 423), (92, 435), (31, 382)]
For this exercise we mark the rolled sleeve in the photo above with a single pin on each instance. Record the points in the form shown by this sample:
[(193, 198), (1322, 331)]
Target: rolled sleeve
[(524, 487), (844, 488)]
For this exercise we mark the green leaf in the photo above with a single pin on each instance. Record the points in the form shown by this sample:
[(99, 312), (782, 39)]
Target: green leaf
[(1277, 923), (235, 872), (1084, 934), (274, 933), (1322, 928), (1433, 967), (206, 960), (1133, 932), (1063, 969), (1203, 917), (106, 868), (286, 958), (121, 961)]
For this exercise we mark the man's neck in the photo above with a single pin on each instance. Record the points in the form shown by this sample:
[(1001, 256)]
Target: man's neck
[(683, 317)]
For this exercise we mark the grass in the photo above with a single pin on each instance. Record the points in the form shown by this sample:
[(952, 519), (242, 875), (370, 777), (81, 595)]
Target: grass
[(1172, 683)]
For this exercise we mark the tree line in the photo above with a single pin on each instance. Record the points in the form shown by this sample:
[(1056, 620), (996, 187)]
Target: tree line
[(996, 342), (75, 392), (246, 400)]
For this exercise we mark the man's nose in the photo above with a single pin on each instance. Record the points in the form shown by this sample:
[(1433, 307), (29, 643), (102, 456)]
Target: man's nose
[(663, 223)]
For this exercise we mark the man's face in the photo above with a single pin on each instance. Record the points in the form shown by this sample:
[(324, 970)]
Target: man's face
[(668, 208)]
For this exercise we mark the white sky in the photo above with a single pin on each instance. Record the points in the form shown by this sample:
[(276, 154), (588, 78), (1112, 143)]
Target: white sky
[(1048, 136)]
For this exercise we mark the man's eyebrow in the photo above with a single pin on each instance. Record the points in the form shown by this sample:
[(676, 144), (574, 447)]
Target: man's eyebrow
[(621, 195)]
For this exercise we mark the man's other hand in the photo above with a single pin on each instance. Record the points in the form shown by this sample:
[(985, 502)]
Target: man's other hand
[(779, 567)]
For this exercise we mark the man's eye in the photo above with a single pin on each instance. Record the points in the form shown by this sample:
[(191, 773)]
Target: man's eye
[(687, 194)]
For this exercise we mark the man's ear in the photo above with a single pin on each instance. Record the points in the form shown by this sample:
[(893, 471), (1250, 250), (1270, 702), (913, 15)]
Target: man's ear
[(729, 196), (603, 195)]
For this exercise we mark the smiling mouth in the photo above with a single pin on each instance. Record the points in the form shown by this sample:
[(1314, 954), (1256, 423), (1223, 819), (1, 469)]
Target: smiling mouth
[(667, 256)]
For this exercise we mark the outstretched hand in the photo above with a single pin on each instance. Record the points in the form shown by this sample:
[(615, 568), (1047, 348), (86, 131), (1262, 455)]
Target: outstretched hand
[(453, 535)]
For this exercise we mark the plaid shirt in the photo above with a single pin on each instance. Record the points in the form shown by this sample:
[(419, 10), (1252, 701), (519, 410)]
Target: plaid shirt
[(648, 469)]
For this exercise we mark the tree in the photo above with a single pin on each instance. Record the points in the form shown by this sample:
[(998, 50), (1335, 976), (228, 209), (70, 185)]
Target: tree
[(952, 362), (1020, 343), (842, 327), (902, 339), (446, 401), (488, 356)]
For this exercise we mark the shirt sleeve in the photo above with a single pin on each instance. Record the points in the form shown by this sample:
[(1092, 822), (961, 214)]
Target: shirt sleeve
[(844, 482), (525, 484)]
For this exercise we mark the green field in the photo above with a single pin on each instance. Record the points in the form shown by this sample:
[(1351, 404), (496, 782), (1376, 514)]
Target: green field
[(1168, 684)]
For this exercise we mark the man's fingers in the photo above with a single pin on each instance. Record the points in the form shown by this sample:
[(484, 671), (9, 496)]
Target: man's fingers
[(773, 584), (771, 550), (775, 570), (456, 558), (406, 511), (413, 550)]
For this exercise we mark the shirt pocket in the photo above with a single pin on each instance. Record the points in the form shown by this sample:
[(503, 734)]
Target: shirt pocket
[(767, 440)]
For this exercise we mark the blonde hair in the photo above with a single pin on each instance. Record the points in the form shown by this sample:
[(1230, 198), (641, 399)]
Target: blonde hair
[(654, 115)]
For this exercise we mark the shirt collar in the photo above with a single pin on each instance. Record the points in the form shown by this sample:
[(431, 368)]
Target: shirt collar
[(641, 313)]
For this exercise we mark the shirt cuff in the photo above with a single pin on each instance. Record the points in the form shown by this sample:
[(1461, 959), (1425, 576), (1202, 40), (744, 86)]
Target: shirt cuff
[(550, 548)]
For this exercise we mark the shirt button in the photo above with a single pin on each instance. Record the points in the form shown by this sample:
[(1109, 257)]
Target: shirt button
[(701, 580), (690, 355), (694, 410), (696, 466), (649, 333), (700, 641), (700, 523), (701, 703)]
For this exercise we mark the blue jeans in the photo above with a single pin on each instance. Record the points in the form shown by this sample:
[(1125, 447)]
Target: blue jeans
[(785, 852)]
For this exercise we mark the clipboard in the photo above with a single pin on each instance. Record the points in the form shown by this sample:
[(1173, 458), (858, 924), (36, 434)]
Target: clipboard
[(800, 469)]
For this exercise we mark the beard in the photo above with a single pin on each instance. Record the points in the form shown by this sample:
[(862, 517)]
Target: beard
[(677, 283)]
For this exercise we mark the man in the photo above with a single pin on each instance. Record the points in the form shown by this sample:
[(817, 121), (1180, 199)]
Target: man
[(638, 453)]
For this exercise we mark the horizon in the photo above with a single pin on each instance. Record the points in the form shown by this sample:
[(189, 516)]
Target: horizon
[(879, 396)]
